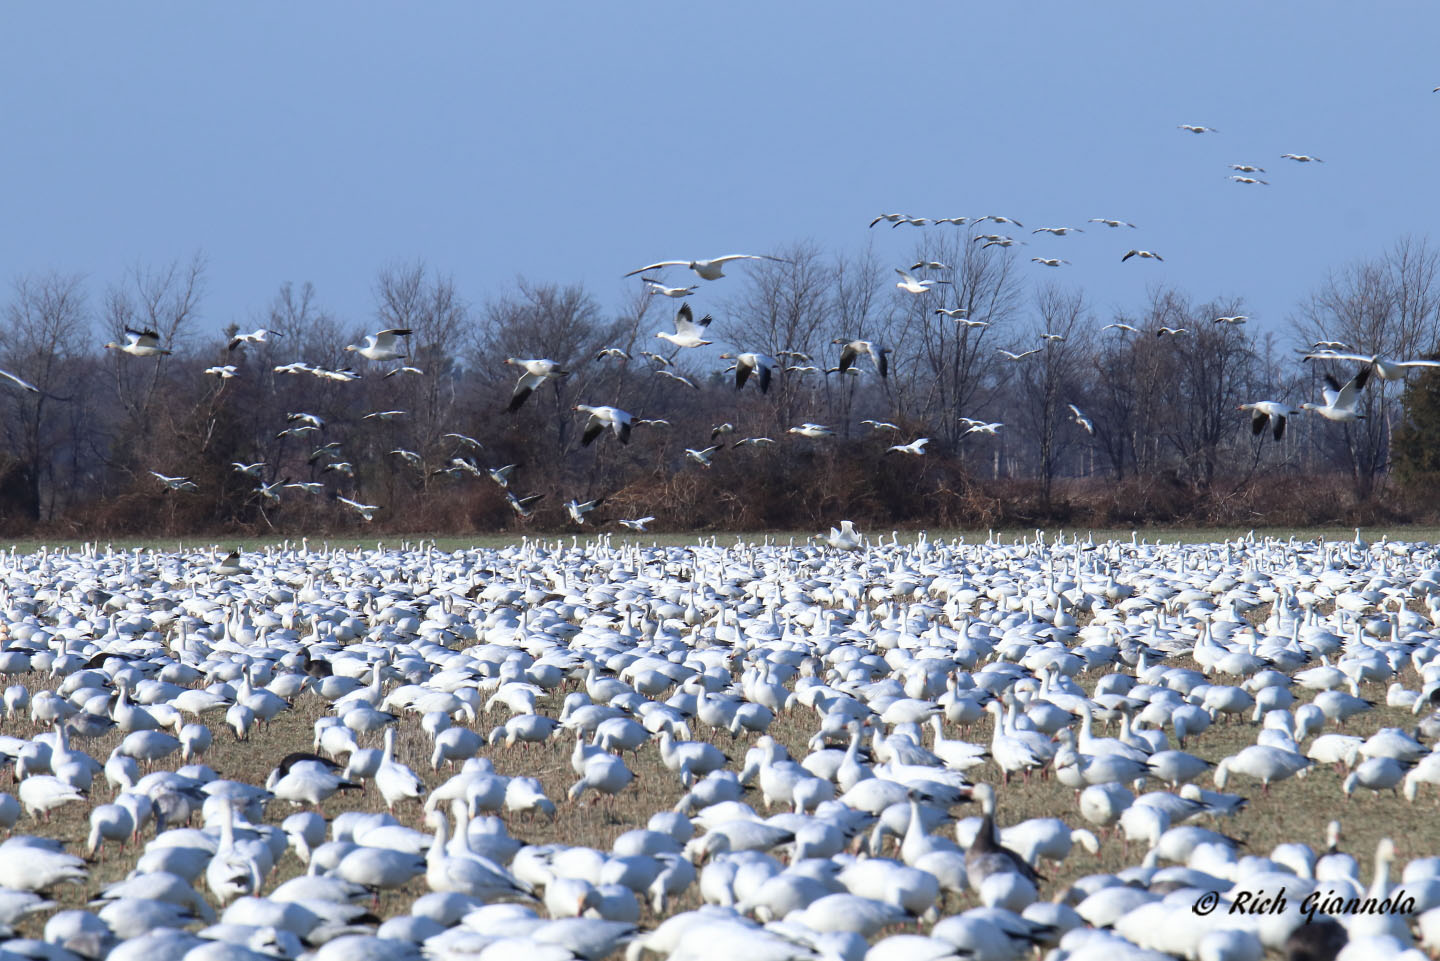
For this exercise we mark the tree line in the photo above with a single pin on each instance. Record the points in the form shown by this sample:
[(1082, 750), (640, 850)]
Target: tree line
[(1157, 436)]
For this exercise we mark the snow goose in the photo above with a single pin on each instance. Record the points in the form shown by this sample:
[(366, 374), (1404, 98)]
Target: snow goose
[(534, 373), (42, 793), (1011, 753), (139, 343), (1377, 774), (470, 875), (712, 269), (31, 864), (852, 349), (381, 346), (1264, 764), (395, 781), (604, 773), (1268, 413), (601, 419), (689, 332), (749, 362), (986, 856), (1341, 402)]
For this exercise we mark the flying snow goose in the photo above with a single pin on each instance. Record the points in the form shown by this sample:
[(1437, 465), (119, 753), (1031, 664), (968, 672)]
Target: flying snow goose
[(689, 332), (910, 285), (916, 447), (1248, 180), (260, 336), (1384, 369), (712, 269), (1196, 128), (26, 385), (812, 431), (175, 483), (1341, 403), (534, 372), (1109, 222), (761, 365), (601, 419), (654, 286), (1086, 424), (1143, 254), (578, 509), (1268, 412), (140, 343), (1301, 158), (636, 524), (382, 345)]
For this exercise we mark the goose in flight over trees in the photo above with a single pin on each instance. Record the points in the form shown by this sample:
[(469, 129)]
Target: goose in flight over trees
[(1122, 327), (1049, 261), (1341, 402), (1384, 369), (912, 286), (366, 511), (261, 336), (812, 431), (656, 287), (1248, 180), (761, 365), (382, 345), (1233, 321), (23, 384), (1271, 412), (1014, 356), (1144, 254), (403, 369), (616, 353), (854, 348), (1109, 222), (889, 218), (688, 331), (524, 506), (1172, 331), (929, 265), (602, 419), (224, 372), (1057, 231), (678, 378), (1086, 424), (1247, 168), (636, 523), (578, 509), (880, 425), (535, 372), (139, 343), (712, 269), (464, 440), (702, 457), (1301, 158), (916, 447), (175, 483), (980, 427)]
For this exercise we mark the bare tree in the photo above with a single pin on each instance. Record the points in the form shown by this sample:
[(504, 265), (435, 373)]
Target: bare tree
[(1389, 307), (1050, 379), (47, 325)]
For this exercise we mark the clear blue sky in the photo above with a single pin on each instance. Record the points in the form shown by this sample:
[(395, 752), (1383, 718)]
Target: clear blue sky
[(572, 142)]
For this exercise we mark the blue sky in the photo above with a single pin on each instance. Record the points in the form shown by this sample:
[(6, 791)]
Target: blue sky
[(322, 141)]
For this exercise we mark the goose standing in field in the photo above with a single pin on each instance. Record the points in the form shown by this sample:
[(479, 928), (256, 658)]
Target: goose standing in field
[(382, 346), (689, 332), (1341, 403), (140, 343), (533, 373), (712, 269), (986, 856), (1264, 764), (604, 773), (395, 781)]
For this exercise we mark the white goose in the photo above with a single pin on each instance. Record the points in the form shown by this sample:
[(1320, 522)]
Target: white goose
[(395, 781)]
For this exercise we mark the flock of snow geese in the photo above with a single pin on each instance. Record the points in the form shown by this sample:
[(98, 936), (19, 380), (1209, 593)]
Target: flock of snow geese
[(882, 837)]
